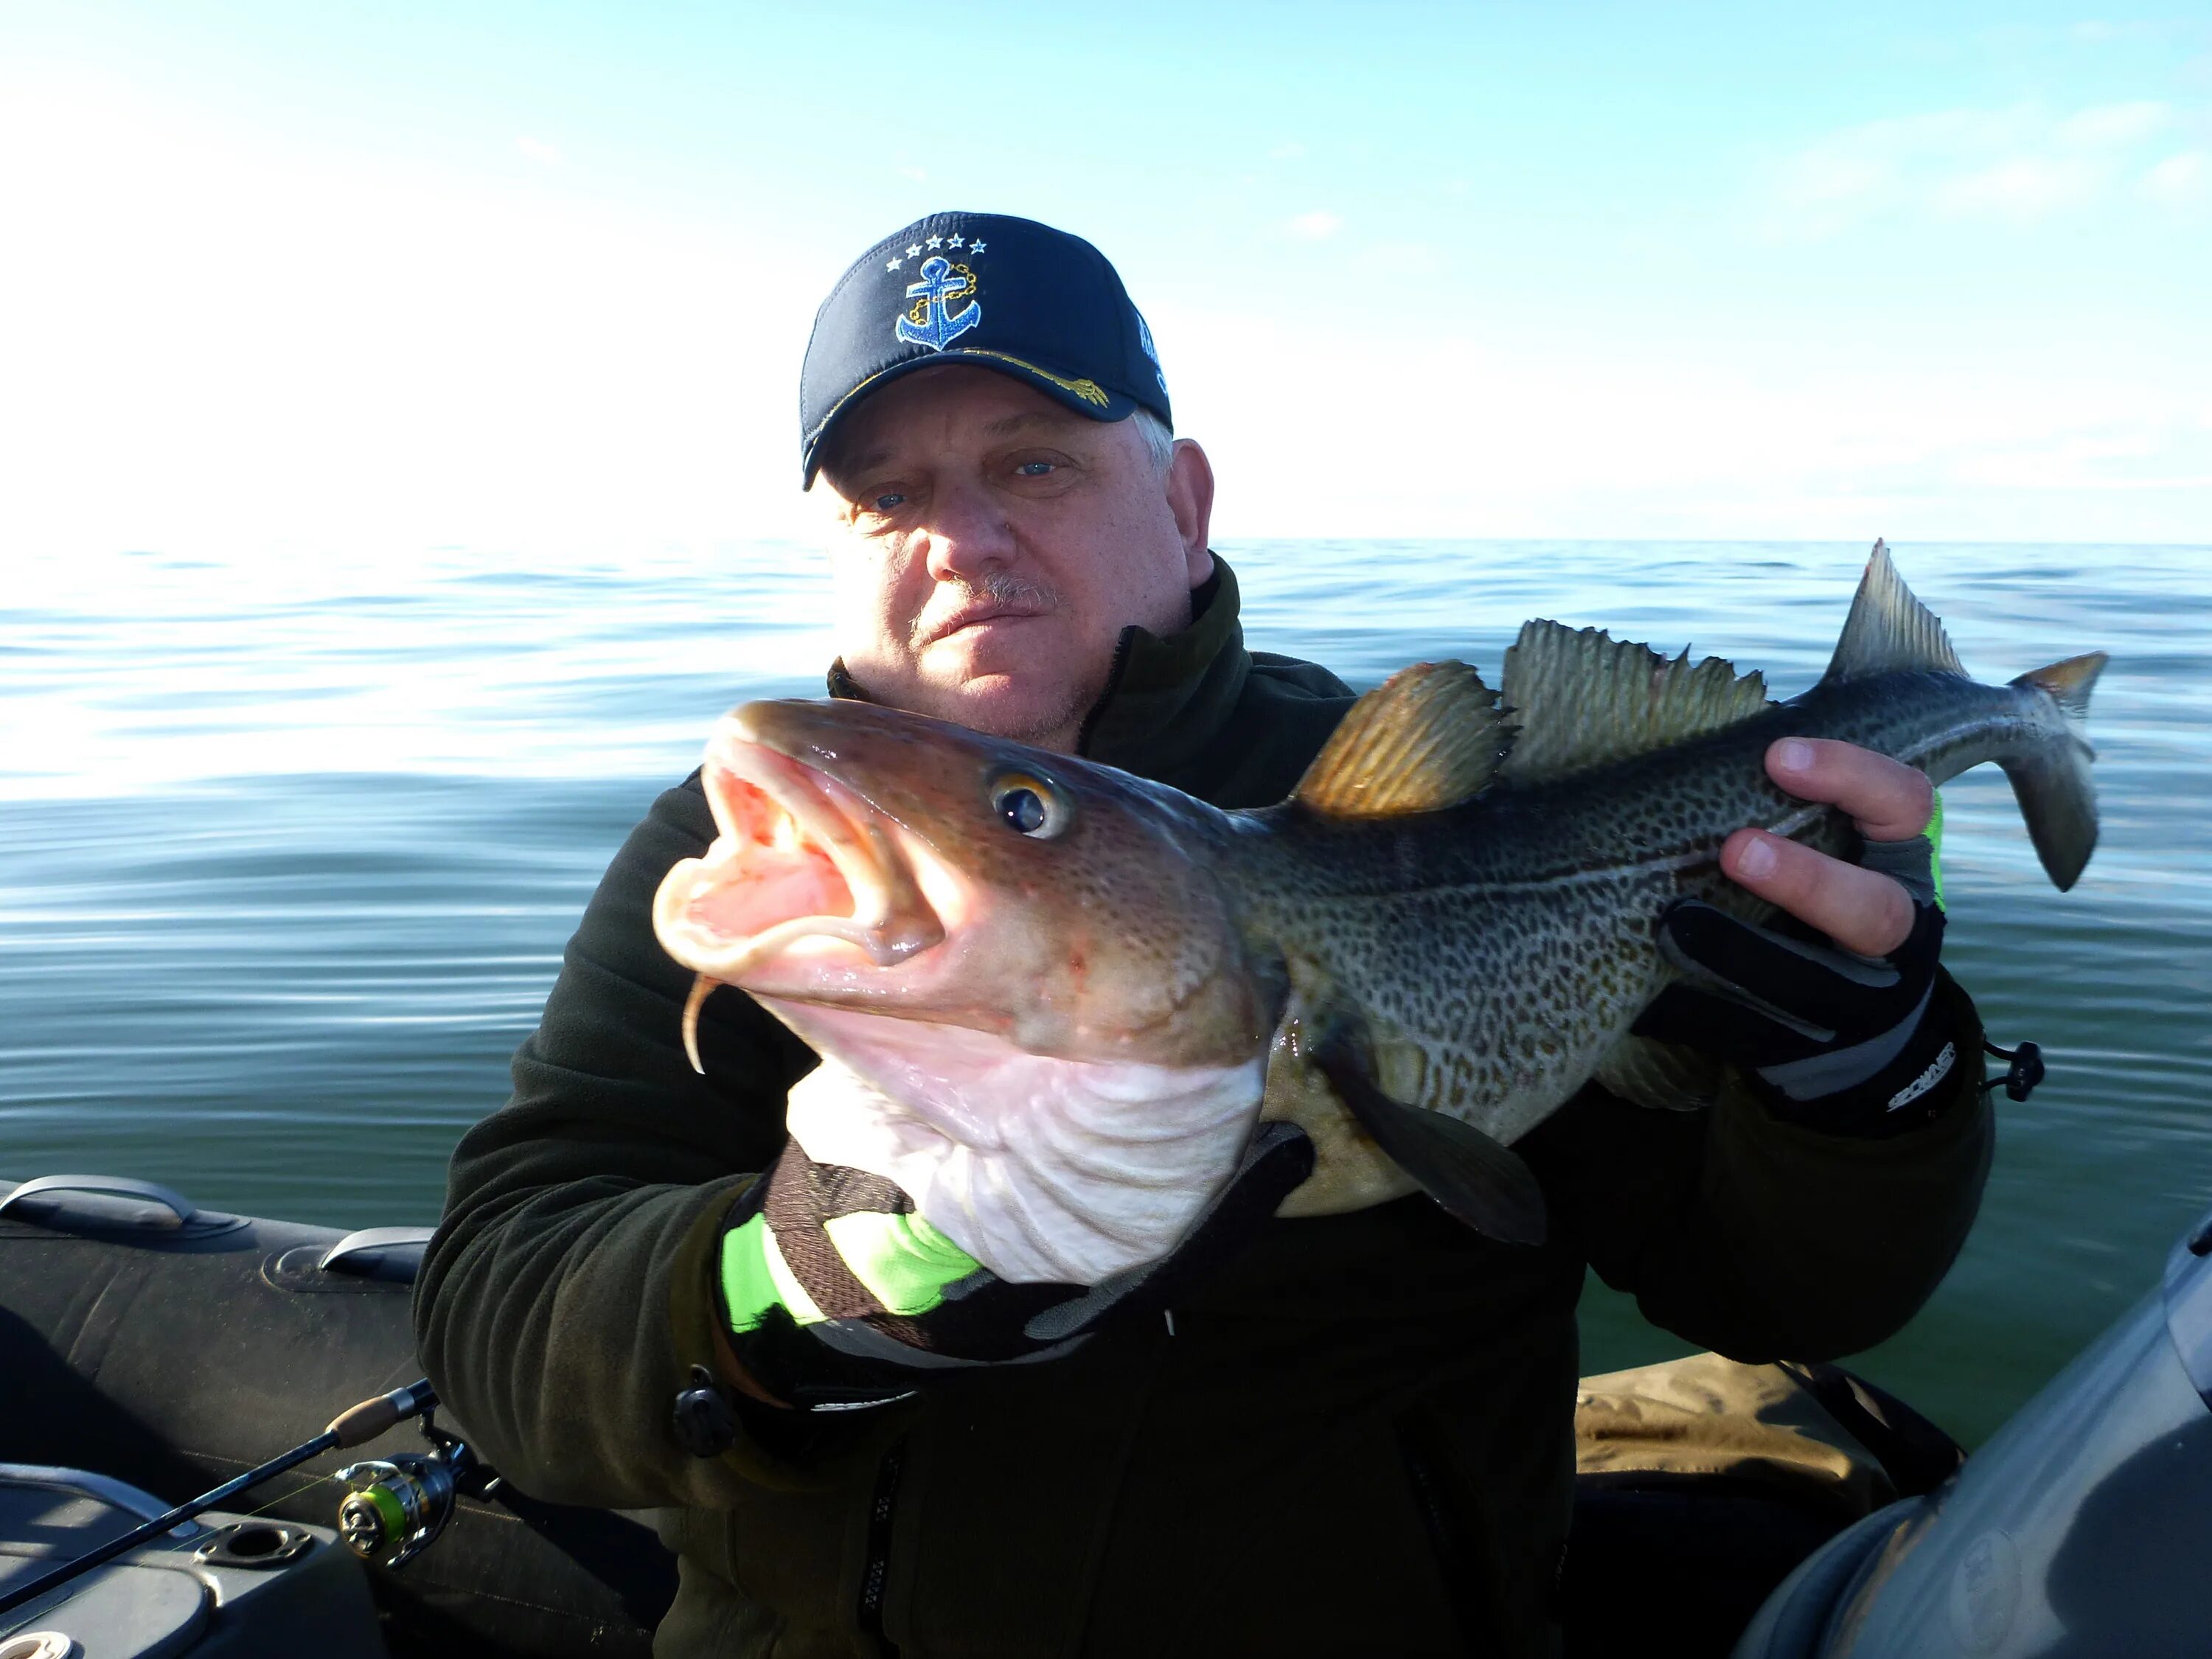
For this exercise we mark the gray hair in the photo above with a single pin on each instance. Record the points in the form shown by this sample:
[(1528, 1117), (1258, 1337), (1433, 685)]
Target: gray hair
[(1159, 443)]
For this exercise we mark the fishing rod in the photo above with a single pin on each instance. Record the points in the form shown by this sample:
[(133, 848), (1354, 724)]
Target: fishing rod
[(350, 1427)]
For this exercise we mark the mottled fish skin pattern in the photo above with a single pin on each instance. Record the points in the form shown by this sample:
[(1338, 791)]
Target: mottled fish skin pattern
[(1499, 949)]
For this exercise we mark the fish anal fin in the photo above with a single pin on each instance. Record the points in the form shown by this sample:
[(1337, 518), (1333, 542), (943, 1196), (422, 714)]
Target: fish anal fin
[(1429, 737), (1888, 630), (1584, 698), (1645, 1071), (1475, 1179)]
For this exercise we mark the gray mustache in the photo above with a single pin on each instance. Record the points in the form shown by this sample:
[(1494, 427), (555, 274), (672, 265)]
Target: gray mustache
[(996, 587)]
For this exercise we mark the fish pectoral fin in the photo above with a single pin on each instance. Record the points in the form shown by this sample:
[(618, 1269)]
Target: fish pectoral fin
[(1665, 1076), (1474, 1178)]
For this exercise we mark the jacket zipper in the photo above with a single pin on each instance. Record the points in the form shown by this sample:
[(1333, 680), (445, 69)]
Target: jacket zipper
[(875, 1572), (1447, 1537), (1123, 645)]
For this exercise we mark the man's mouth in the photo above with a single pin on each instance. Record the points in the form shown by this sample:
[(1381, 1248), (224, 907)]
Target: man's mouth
[(979, 612)]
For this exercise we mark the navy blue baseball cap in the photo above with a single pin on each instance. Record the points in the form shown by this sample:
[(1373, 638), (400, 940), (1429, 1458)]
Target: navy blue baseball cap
[(1003, 294)]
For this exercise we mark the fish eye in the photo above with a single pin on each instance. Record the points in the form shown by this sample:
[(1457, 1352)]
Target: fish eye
[(1030, 805)]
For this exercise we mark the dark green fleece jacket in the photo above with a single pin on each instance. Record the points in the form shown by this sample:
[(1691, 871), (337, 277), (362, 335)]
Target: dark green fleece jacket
[(1356, 1439)]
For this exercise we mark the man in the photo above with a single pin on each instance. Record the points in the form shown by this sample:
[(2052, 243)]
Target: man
[(1350, 1434)]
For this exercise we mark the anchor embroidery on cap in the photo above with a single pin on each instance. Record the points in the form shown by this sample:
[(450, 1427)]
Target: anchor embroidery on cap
[(932, 322)]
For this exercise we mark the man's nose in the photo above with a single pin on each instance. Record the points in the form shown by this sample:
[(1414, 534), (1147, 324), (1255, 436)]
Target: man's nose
[(968, 533)]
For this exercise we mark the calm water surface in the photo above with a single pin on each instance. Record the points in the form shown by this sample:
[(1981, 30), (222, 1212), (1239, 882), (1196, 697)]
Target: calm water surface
[(288, 850)]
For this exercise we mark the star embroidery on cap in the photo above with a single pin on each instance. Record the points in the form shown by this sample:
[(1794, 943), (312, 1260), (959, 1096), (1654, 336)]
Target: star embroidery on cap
[(892, 264), (914, 250), (936, 241), (952, 241), (975, 246)]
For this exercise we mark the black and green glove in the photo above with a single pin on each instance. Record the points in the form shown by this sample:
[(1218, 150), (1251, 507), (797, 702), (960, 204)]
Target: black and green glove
[(1848, 1044), (837, 1294)]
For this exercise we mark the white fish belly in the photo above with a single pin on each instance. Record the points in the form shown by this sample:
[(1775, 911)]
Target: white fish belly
[(1044, 1169)]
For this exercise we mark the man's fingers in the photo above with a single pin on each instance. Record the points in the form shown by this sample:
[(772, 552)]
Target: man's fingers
[(1861, 910), (1888, 800)]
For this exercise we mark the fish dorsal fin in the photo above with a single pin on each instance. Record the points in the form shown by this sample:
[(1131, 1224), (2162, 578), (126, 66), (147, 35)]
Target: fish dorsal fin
[(1584, 698), (1888, 630), (1427, 737)]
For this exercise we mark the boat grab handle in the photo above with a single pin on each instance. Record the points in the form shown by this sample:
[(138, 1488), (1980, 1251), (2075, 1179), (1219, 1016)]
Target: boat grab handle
[(104, 1489), (372, 1238), (108, 1187)]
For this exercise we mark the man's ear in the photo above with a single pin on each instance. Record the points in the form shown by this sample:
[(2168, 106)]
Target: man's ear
[(1190, 498)]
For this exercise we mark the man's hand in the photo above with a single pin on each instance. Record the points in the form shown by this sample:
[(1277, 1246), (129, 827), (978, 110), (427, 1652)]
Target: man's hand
[(836, 1293), (1832, 1011), (1861, 910)]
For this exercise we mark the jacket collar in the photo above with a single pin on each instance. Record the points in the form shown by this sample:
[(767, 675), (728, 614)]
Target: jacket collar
[(1167, 698)]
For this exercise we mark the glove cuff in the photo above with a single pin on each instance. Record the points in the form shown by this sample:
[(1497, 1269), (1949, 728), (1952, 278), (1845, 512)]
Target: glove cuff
[(861, 1265), (837, 1295), (1904, 1091), (864, 1262)]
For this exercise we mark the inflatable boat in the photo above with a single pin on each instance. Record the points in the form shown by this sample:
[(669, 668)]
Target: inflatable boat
[(2082, 1527), (151, 1350), (160, 1349)]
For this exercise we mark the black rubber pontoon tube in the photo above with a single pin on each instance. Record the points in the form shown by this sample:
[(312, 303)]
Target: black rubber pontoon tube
[(353, 1426)]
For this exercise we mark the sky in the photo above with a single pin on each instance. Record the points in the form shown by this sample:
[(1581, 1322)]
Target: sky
[(291, 275)]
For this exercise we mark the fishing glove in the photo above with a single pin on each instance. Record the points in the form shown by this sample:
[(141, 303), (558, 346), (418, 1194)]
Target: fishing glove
[(1848, 1044), (837, 1294)]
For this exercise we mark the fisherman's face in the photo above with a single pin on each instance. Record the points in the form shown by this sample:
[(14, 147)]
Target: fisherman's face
[(991, 545)]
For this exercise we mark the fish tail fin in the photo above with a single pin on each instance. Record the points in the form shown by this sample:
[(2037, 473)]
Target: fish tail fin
[(2068, 683), (2051, 782)]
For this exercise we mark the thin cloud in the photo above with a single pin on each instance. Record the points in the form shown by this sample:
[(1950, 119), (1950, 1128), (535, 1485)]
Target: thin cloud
[(1289, 150), (538, 150), (1316, 226), (2020, 164), (2023, 190), (1399, 259), (2113, 124), (2104, 31), (2182, 180)]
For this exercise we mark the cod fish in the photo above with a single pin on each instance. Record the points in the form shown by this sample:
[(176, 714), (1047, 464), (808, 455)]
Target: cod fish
[(1053, 999)]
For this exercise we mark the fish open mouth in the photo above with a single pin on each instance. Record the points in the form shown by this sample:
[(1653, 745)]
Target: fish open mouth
[(803, 877)]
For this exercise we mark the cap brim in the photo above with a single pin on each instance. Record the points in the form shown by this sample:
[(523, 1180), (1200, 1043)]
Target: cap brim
[(1085, 397)]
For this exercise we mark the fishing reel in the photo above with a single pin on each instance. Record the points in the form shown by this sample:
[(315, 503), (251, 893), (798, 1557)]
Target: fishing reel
[(400, 1504)]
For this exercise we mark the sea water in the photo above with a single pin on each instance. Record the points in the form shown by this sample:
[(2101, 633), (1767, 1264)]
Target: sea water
[(289, 845)]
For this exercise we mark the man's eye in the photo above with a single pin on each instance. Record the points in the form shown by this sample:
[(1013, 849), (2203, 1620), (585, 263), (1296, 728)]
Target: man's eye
[(1033, 469), (889, 502)]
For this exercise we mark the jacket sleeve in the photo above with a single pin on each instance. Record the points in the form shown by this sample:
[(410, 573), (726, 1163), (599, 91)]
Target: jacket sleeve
[(564, 1297), (1761, 1239)]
